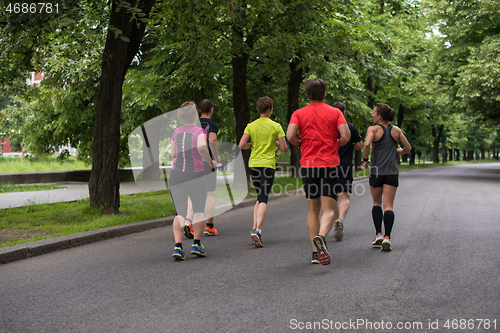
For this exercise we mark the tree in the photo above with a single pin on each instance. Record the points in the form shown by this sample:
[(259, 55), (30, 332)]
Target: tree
[(127, 19), (57, 45), (470, 30)]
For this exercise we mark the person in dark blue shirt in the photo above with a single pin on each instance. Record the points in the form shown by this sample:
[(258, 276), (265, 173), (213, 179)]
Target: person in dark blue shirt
[(346, 177)]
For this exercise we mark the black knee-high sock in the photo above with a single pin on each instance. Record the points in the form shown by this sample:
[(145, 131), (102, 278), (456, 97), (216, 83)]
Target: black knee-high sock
[(377, 215), (388, 222)]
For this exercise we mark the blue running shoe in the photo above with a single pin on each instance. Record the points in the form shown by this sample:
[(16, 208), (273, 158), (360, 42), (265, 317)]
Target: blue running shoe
[(178, 254), (198, 250)]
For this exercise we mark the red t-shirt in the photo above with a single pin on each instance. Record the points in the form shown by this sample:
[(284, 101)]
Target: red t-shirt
[(318, 130)]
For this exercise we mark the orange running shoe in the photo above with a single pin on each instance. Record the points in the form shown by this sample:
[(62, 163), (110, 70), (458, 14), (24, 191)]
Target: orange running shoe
[(188, 230), (210, 231)]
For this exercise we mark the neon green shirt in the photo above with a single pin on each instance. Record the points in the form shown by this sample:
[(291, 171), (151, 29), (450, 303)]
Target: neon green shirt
[(263, 133)]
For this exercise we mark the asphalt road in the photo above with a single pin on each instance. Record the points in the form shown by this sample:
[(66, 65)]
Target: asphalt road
[(444, 268)]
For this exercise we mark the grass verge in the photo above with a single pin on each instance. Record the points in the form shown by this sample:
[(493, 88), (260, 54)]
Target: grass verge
[(6, 188), (18, 164)]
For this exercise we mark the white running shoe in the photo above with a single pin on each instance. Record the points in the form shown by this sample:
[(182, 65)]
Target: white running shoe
[(339, 229), (386, 245), (378, 240)]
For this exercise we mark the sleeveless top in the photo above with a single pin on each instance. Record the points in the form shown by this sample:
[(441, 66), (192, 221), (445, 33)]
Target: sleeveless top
[(384, 155), (209, 126)]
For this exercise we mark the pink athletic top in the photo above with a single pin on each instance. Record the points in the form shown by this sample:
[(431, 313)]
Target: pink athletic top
[(188, 158)]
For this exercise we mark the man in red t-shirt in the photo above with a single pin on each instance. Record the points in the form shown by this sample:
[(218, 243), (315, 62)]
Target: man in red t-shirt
[(319, 125)]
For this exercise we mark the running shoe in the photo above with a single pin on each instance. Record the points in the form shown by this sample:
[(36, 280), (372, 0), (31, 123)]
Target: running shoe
[(257, 239), (254, 229), (378, 240), (178, 254), (210, 231), (188, 230), (198, 250), (315, 258), (386, 245), (323, 255), (339, 229)]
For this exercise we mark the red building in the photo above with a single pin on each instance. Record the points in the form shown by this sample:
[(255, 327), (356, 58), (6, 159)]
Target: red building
[(5, 147)]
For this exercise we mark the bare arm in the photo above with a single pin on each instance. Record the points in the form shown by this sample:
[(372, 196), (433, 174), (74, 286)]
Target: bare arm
[(281, 144), (366, 147), (358, 145), (214, 147), (244, 142), (203, 150), (404, 142), (291, 134), (173, 150), (345, 134)]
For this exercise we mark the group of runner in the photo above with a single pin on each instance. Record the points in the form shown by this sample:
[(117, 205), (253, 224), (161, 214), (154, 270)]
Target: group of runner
[(326, 143)]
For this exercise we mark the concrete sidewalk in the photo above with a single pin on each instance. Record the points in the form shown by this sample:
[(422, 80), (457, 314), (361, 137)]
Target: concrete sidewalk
[(72, 191)]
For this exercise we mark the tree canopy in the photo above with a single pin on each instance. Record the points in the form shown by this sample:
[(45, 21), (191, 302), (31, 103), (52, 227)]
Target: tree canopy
[(110, 66)]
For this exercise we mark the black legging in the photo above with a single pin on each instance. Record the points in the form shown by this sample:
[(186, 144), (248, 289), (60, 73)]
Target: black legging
[(262, 179)]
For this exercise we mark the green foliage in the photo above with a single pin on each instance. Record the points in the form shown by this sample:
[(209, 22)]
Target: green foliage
[(37, 163), (369, 51)]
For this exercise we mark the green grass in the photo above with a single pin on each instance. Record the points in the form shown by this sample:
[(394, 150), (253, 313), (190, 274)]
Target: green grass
[(19, 164), (66, 218), (5, 188)]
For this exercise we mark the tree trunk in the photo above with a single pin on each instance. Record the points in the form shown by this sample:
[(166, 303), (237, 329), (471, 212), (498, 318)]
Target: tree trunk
[(241, 108), (436, 134), (104, 184), (401, 117), (372, 91), (296, 78)]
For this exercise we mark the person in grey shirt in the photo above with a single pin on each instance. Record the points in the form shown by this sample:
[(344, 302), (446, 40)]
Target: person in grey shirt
[(384, 172)]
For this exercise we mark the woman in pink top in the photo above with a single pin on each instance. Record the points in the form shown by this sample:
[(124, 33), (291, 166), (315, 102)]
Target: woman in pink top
[(186, 180)]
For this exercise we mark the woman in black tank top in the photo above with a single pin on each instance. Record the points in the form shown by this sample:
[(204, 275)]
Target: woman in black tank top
[(384, 172)]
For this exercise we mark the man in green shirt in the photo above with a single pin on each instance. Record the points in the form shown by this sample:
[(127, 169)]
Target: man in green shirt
[(264, 134)]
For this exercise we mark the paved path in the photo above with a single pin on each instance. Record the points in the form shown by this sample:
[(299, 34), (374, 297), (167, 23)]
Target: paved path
[(444, 266), (72, 191)]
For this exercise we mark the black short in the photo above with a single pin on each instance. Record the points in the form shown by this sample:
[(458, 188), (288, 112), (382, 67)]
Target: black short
[(210, 176), (381, 180), (320, 182), (262, 179), (346, 177)]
